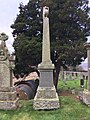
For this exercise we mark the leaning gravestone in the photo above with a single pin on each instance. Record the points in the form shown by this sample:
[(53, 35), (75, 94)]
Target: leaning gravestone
[(46, 96), (8, 97)]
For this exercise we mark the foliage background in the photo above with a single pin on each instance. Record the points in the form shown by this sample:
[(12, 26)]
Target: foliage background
[(69, 29)]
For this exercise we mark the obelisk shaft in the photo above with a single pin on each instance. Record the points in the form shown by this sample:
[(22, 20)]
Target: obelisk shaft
[(46, 60), (46, 41)]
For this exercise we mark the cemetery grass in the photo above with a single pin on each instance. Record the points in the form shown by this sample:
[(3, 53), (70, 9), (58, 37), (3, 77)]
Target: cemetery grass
[(69, 85), (71, 108)]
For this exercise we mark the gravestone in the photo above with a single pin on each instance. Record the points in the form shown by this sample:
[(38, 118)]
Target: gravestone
[(46, 96), (8, 97), (86, 93)]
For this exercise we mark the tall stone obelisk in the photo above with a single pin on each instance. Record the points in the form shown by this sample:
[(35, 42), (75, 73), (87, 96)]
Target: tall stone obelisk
[(46, 96)]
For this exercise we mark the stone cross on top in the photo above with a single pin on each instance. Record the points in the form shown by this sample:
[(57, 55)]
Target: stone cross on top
[(8, 96), (3, 49), (3, 37)]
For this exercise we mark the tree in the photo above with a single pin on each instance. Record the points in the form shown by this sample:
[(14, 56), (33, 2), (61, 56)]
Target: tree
[(69, 27), (27, 34)]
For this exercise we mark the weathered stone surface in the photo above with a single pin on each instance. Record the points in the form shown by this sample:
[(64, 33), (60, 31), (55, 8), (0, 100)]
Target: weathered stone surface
[(46, 92), (8, 97), (46, 78), (46, 104), (9, 105), (46, 98), (87, 45), (86, 97), (4, 74), (46, 61), (86, 93), (7, 89)]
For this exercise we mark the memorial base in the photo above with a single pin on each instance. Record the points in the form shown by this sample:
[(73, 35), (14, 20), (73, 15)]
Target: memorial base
[(8, 100), (86, 97), (46, 98)]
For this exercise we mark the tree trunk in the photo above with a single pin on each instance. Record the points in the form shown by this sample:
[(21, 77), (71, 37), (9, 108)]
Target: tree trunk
[(56, 74)]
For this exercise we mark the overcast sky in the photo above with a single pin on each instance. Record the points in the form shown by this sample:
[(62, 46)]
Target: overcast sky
[(8, 12)]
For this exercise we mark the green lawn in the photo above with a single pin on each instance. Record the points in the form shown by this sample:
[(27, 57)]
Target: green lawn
[(71, 84), (71, 108)]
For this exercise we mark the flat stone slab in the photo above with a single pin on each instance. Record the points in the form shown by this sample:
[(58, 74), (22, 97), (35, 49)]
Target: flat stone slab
[(9, 105), (43, 104), (8, 95), (86, 97), (8, 99)]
